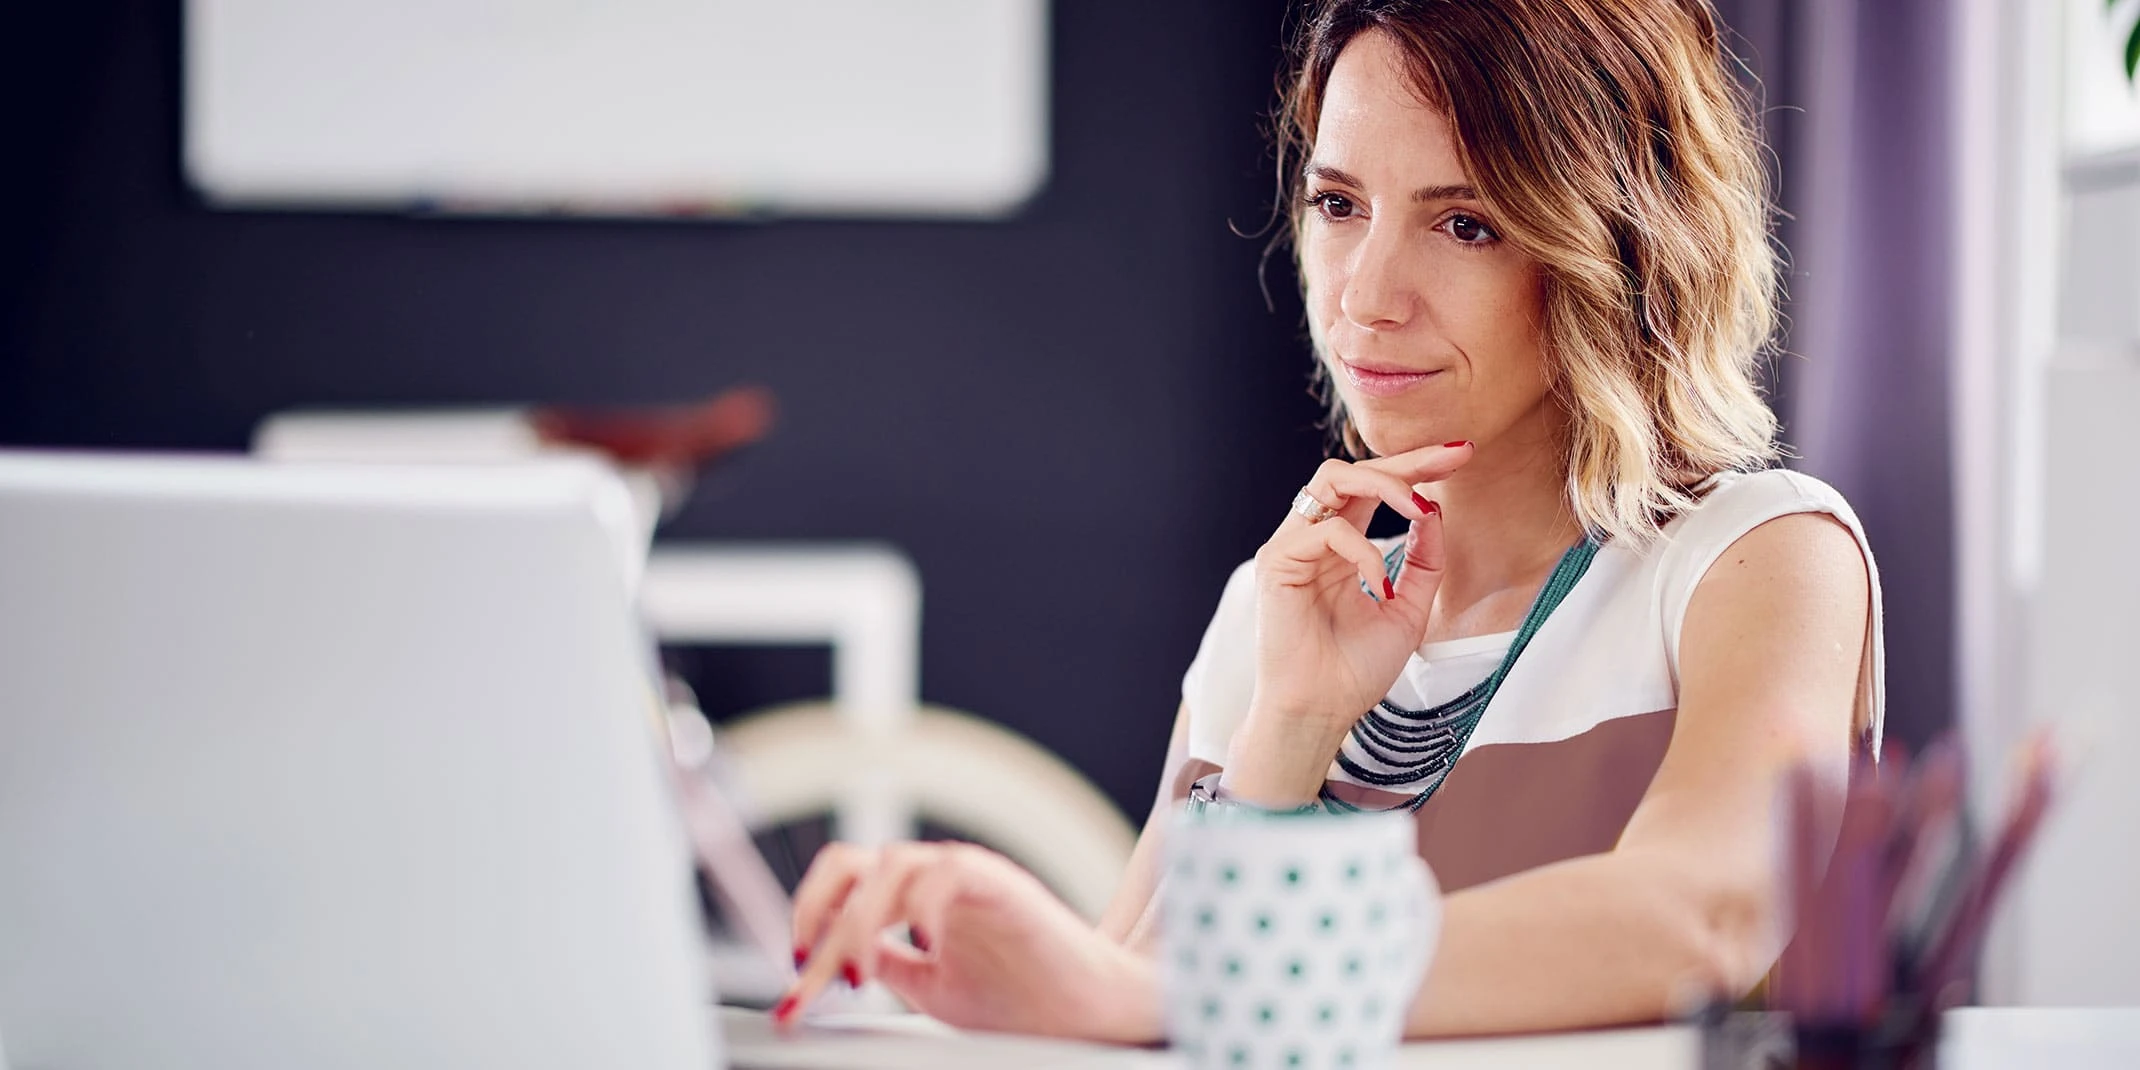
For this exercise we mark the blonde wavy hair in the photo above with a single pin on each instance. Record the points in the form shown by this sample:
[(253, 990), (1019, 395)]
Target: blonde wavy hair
[(1616, 149)]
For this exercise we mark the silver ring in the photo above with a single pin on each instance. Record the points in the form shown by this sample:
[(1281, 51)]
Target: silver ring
[(1310, 508)]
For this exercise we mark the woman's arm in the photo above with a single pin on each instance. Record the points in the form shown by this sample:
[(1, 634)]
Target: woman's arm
[(1686, 905)]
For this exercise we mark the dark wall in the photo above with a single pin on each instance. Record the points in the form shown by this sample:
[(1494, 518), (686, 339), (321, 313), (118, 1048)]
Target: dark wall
[(1076, 421)]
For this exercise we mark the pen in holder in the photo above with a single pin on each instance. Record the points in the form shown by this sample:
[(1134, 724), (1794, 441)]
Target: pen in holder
[(1886, 932)]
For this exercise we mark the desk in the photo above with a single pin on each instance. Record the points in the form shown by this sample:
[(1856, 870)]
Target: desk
[(1977, 1038), (910, 1042)]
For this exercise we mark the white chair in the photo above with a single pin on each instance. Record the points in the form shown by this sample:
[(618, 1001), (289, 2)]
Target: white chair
[(873, 756)]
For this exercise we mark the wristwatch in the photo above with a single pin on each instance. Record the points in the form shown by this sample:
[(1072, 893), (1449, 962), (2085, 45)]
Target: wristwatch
[(1206, 794)]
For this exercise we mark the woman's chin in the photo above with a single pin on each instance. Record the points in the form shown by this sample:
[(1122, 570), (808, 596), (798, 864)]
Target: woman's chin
[(1385, 440)]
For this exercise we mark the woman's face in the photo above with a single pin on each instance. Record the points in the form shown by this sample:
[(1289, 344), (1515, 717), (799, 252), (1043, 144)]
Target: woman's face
[(1427, 320)]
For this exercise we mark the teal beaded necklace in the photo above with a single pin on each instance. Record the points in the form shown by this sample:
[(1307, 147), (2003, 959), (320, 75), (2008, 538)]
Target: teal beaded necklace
[(1421, 746)]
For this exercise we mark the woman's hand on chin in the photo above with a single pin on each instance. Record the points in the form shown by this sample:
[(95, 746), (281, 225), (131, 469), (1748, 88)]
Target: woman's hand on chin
[(1327, 651), (993, 948)]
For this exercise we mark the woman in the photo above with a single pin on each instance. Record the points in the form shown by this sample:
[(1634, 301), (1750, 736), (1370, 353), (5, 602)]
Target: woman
[(1532, 238)]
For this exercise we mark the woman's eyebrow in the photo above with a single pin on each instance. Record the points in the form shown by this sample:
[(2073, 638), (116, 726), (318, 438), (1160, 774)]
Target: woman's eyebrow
[(1422, 194)]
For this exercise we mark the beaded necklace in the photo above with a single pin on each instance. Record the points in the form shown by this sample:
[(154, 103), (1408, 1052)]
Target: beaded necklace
[(1423, 745)]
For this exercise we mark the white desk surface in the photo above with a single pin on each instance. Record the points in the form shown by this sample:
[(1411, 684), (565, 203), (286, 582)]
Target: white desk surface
[(1977, 1038), (901, 1042)]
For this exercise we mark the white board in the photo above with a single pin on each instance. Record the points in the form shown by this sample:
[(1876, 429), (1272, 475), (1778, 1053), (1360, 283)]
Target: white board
[(636, 107)]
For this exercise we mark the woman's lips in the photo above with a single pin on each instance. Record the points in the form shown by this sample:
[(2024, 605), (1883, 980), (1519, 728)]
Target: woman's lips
[(1380, 383)]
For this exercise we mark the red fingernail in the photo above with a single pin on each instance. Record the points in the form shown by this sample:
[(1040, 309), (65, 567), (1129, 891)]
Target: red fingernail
[(852, 975), (1458, 442), (1389, 590), (1434, 508), (920, 942), (1422, 503), (802, 955), (785, 1008)]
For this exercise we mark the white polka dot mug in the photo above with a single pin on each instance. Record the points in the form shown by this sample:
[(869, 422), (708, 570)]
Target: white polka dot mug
[(1293, 942)]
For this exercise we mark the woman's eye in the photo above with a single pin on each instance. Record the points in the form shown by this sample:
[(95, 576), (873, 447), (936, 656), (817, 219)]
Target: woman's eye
[(1469, 230), (1333, 205)]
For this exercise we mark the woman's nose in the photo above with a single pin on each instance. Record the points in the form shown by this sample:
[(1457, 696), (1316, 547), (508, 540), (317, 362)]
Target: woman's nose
[(1378, 296)]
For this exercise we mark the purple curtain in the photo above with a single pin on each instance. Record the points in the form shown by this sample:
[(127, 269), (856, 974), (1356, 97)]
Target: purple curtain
[(1856, 110)]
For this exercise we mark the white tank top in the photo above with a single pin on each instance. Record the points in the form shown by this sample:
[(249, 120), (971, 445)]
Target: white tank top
[(1609, 652)]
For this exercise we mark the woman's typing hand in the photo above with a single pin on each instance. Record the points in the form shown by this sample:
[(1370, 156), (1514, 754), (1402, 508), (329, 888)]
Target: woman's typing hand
[(992, 948), (1327, 651)]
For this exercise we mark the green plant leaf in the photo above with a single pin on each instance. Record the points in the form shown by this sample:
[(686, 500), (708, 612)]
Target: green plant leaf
[(2132, 43)]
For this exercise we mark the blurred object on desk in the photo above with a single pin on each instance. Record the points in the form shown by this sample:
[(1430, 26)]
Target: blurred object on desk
[(671, 442), (1887, 925), (656, 448)]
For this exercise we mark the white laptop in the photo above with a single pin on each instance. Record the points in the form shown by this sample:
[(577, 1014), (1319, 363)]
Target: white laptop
[(332, 766)]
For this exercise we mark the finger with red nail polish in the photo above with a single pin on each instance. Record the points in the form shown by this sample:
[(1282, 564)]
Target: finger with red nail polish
[(824, 890)]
